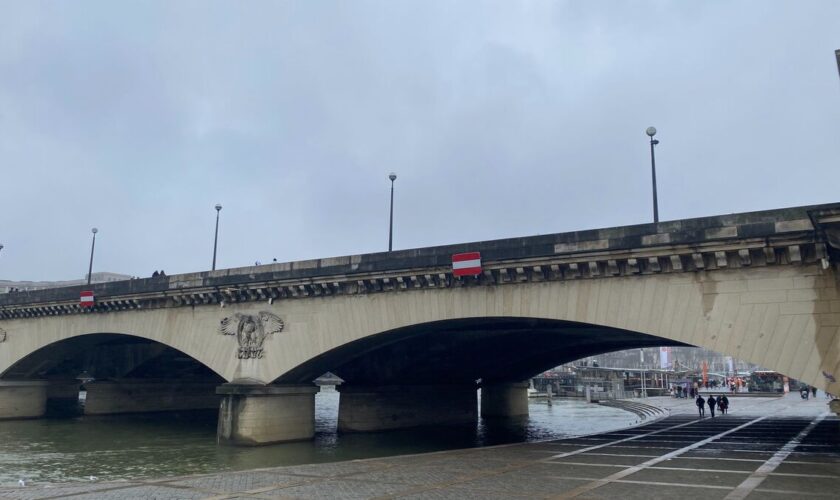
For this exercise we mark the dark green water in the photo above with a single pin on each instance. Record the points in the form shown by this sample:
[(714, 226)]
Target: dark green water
[(142, 446)]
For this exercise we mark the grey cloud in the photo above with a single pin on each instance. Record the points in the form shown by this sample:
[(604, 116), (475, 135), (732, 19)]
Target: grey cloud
[(500, 118)]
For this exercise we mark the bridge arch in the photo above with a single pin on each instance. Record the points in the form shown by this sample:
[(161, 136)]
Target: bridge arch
[(103, 356), (778, 317), (106, 373), (462, 351), (188, 331)]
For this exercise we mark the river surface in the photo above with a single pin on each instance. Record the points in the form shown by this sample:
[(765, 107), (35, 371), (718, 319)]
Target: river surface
[(158, 445)]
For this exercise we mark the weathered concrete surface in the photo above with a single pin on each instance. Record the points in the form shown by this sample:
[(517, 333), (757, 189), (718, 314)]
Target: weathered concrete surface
[(364, 409), (138, 396), (766, 448), (27, 399), (254, 414), (504, 400)]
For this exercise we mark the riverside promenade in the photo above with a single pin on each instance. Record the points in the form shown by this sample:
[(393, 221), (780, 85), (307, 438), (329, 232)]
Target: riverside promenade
[(767, 448)]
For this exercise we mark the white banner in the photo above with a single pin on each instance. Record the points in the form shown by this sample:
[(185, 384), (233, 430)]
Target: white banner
[(664, 358)]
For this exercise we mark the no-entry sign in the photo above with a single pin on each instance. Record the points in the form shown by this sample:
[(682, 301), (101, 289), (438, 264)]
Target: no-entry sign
[(466, 264), (86, 298)]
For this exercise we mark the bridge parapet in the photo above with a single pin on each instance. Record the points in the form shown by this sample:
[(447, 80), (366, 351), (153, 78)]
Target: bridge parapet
[(775, 237)]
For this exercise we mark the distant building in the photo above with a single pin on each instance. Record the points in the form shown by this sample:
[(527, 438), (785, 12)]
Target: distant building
[(678, 358), (7, 286)]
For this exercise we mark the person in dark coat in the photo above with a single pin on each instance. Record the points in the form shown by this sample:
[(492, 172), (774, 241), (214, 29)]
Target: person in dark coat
[(711, 401), (701, 404), (723, 404)]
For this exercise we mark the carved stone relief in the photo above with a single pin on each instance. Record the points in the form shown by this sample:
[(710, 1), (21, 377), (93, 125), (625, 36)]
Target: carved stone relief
[(250, 331)]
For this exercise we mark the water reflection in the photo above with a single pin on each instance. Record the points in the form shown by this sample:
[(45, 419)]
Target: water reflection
[(141, 446)]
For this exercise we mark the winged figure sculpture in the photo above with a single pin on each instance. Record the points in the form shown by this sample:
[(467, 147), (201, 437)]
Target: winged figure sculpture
[(250, 331)]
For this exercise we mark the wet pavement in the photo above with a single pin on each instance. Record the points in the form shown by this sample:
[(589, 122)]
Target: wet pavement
[(767, 448)]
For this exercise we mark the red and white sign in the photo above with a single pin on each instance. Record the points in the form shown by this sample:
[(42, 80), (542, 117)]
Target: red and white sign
[(466, 264), (86, 298)]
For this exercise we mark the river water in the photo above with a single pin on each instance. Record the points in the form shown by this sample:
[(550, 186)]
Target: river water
[(157, 445)]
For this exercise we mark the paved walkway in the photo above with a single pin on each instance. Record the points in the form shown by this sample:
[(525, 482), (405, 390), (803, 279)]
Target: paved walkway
[(766, 448)]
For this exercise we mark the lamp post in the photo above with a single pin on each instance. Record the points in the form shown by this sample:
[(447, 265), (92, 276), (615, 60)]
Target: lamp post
[(92, 246), (216, 238), (651, 131), (837, 56), (393, 177), (642, 372)]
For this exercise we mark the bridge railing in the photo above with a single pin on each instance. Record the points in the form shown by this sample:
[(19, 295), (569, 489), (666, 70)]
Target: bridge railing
[(784, 236)]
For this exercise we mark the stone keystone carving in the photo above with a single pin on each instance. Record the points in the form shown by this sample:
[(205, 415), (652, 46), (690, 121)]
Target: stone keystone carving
[(251, 330)]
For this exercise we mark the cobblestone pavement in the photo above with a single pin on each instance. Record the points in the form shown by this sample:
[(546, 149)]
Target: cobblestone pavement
[(767, 448)]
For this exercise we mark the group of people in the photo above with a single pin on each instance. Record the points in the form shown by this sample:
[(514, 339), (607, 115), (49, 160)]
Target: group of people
[(722, 404)]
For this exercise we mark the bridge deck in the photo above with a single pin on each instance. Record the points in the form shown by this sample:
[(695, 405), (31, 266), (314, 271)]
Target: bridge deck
[(770, 448), (790, 235)]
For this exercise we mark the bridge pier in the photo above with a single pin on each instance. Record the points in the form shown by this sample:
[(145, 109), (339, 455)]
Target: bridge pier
[(23, 399), (371, 408), (142, 395), (252, 415), (63, 397), (504, 400)]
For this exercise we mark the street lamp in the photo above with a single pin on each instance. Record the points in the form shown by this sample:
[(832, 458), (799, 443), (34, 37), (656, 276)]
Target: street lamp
[(837, 56), (216, 238), (393, 177), (92, 246), (642, 366), (651, 131)]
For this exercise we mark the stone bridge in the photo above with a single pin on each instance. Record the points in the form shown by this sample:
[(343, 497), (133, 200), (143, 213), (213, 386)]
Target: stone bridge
[(413, 342)]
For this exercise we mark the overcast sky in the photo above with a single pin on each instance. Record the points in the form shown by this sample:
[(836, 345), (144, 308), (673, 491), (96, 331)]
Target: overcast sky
[(501, 119)]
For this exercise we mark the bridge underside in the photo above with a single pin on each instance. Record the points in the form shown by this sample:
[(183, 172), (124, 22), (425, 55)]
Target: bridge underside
[(108, 356), (457, 352), (117, 373), (428, 374)]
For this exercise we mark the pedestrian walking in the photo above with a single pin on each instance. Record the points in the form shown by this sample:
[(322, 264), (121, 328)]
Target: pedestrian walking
[(711, 401), (723, 404), (701, 404)]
